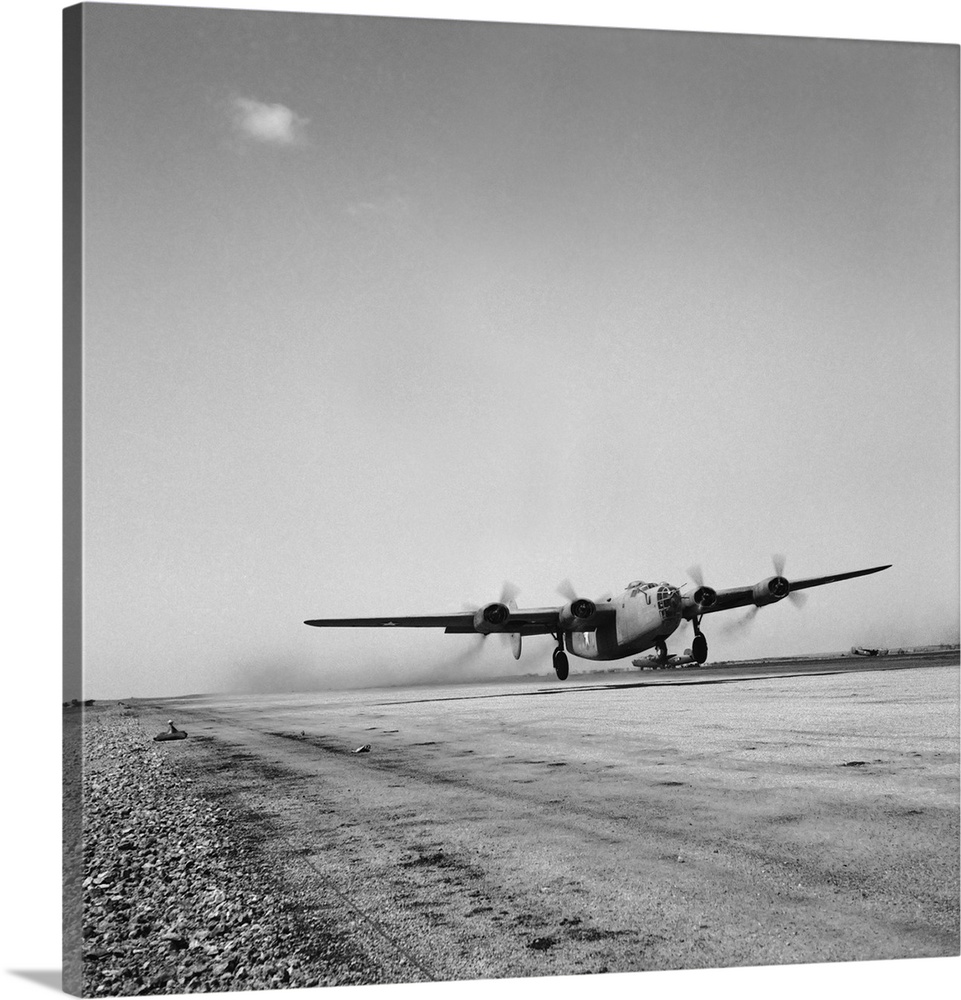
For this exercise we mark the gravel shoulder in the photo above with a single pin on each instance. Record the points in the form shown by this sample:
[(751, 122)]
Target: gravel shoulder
[(181, 893)]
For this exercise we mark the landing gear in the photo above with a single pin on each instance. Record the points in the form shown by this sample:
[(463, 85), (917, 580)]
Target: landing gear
[(661, 646), (699, 643), (561, 666)]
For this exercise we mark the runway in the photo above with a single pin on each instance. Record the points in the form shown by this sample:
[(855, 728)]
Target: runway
[(806, 812)]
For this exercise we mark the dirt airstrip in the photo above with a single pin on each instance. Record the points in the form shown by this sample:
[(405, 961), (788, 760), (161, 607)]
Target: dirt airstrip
[(704, 819)]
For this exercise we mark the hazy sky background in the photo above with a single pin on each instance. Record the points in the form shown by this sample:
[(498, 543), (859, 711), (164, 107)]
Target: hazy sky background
[(383, 312)]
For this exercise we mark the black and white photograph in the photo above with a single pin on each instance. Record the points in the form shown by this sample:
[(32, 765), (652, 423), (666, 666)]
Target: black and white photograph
[(510, 504)]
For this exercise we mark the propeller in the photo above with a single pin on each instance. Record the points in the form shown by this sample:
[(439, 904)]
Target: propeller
[(734, 626), (704, 596), (797, 599), (696, 575), (743, 622), (566, 589), (509, 592)]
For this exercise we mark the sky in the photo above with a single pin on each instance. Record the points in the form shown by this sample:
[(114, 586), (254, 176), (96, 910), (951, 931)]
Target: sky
[(381, 312)]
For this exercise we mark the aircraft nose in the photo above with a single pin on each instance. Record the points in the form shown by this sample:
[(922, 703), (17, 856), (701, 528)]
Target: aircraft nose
[(668, 601)]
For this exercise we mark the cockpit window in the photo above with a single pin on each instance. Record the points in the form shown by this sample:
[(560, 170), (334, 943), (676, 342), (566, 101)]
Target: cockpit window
[(640, 587)]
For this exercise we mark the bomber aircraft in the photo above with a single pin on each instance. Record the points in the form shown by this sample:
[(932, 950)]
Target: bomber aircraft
[(641, 617)]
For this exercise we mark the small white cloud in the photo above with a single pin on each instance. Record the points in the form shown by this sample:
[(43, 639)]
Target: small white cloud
[(275, 124), (395, 206)]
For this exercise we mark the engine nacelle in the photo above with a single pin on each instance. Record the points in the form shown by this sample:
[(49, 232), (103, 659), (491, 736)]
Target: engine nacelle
[(573, 617), (774, 588), (492, 617), (702, 599)]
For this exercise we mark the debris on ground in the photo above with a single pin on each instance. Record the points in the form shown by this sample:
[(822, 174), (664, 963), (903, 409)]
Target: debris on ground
[(173, 734)]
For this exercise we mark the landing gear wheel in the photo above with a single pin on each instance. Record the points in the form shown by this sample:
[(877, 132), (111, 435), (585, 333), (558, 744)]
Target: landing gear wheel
[(699, 648), (561, 666), (661, 647)]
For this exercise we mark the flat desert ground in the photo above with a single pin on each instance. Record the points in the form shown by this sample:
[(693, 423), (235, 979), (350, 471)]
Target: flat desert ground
[(803, 812)]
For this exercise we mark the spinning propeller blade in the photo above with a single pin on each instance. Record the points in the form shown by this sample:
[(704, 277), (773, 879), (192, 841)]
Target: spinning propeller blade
[(566, 589), (509, 592), (739, 624), (797, 599)]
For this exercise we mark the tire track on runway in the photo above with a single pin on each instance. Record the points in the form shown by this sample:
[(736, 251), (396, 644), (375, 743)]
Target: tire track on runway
[(472, 896)]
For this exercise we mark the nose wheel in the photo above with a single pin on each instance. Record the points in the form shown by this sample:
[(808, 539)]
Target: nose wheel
[(699, 642), (561, 666)]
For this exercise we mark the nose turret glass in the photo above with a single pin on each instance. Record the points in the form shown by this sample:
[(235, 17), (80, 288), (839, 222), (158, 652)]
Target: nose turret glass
[(668, 600)]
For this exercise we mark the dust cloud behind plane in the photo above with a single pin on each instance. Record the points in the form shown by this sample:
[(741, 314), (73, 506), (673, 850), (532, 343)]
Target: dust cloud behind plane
[(280, 674)]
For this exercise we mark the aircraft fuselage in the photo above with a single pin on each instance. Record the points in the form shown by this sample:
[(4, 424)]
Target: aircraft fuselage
[(631, 623)]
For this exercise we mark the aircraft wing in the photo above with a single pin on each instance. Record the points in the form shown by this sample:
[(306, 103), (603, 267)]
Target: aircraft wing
[(817, 581), (739, 597), (526, 621)]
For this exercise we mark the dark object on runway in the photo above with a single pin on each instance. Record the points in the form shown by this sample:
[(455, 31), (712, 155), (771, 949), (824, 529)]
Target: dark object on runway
[(364, 749), (174, 734)]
